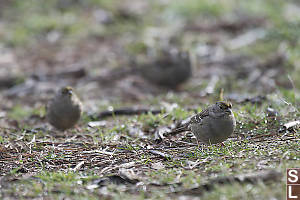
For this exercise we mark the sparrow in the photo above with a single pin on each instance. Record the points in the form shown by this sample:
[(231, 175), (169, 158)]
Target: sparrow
[(64, 110), (211, 126)]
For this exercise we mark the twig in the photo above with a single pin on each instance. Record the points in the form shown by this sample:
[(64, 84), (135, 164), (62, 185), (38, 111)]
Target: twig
[(294, 88), (161, 154), (286, 102), (78, 166), (290, 125)]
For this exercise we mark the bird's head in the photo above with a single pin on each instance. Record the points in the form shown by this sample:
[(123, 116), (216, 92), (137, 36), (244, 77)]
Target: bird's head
[(66, 91), (223, 106)]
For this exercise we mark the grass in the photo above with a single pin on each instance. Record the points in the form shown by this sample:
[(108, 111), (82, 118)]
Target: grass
[(244, 152)]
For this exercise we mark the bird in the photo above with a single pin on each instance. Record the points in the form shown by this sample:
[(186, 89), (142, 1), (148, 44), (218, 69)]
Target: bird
[(64, 109), (211, 126), (168, 70)]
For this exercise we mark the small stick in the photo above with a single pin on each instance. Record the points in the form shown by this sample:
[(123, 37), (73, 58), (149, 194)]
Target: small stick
[(161, 154), (291, 125)]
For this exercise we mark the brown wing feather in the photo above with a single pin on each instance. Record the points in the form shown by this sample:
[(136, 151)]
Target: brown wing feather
[(195, 119), (198, 117)]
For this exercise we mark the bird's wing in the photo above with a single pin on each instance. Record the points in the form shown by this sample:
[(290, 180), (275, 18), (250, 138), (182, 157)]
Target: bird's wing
[(198, 117)]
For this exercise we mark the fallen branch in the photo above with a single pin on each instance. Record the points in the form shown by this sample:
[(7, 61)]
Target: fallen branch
[(71, 72), (127, 111), (252, 178), (8, 82)]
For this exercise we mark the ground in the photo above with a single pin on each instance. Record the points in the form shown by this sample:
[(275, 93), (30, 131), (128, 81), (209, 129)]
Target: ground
[(246, 52)]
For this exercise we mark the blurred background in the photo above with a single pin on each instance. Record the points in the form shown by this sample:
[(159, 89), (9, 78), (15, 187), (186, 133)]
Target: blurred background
[(172, 56), (247, 48)]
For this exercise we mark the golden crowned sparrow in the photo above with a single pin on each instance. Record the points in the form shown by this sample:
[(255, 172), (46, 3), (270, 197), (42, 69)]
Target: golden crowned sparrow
[(169, 70), (64, 110), (213, 125)]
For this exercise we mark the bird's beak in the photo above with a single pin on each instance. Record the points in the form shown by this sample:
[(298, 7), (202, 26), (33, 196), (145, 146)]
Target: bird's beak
[(228, 111)]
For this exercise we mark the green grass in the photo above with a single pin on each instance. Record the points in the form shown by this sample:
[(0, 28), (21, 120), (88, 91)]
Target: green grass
[(19, 112)]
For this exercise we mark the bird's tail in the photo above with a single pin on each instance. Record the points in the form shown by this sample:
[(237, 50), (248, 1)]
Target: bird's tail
[(179, 130)]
